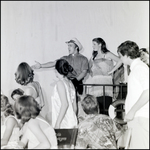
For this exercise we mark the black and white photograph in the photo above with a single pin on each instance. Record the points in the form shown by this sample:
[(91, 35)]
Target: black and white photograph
[(74, 74)]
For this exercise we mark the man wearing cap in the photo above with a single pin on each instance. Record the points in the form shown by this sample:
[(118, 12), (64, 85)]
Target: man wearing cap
[(76, 60)]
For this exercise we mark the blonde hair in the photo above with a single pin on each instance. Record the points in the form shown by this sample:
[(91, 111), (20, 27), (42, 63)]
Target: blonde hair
[(90, 104), (8, 107)]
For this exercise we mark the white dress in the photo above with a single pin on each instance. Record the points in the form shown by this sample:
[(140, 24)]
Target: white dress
[(15, 134), (49, 132), (70, 119), (37, 88)]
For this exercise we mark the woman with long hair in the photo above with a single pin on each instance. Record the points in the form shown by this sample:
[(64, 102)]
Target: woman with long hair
[(9, 124), (25, 77), (63, 98), (101, 65)]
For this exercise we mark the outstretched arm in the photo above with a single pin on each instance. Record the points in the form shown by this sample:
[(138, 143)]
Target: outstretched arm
[(64, 103), (45, 65)]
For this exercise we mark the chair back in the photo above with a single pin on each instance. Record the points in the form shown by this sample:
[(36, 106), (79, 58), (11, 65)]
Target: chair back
[(66, 138)]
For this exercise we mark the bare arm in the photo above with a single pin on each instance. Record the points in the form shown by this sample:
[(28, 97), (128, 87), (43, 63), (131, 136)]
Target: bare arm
[(116, 59), (81, 75), (45, 65), (64, 103), (119, 63), (34, 126), (144, 98), (91, 62), (10, 124), (75, 105), (42, 102)]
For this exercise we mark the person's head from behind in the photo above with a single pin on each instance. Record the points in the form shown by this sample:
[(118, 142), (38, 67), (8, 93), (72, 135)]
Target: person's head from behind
[(127, 51), (16, 94), (90, 104), (24, 74), (62, 68), (26, 107), (99, 44), (6, 107)]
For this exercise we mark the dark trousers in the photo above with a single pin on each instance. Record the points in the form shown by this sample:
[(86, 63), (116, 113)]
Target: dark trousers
[(78, 87), (104, 106)]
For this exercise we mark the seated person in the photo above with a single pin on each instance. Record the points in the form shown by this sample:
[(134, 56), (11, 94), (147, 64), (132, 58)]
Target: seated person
[(37, 132), (9, 124), (96, 131), (16, 93)]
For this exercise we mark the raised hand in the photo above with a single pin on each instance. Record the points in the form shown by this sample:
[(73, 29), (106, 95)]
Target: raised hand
[(36, 66)]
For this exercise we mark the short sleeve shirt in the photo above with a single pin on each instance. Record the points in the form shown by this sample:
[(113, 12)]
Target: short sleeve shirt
[(138, 81), (97, 132), (78, 62)]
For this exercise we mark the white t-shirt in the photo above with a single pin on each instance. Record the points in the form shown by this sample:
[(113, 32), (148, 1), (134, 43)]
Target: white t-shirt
[(138, 81)]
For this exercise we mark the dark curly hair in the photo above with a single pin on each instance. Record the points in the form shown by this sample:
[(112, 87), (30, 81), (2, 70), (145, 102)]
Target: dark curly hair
[(144, 50), (18, 92), (103, 46), (8, 107), (130, 49), (26, 107), (24, 74), (63, 67)]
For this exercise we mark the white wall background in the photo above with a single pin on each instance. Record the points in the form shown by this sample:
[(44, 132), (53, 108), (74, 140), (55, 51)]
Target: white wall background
[(37, 30)]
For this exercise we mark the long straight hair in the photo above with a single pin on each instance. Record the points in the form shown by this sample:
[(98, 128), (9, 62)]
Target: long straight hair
[(103, 46)]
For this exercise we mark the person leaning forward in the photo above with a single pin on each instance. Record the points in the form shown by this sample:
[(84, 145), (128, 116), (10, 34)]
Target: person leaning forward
[(76, 60)]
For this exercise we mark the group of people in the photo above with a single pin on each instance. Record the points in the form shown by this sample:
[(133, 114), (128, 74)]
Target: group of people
[(96, 129)]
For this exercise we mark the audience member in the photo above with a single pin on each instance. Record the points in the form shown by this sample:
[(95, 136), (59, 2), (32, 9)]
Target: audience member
[(137, 100), (63, 98), (16, 94), (38, 133), (9, 124), (24, 76), (96, 131), (76, 60)]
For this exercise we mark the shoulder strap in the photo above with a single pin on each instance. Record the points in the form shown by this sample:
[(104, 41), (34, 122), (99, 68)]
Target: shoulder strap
[(43, 120)]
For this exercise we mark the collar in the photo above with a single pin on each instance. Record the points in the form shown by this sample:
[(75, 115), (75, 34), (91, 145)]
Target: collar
[(134, 63), (74, 54)]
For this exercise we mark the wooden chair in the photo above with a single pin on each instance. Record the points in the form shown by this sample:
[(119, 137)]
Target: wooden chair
[(66, 138)]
